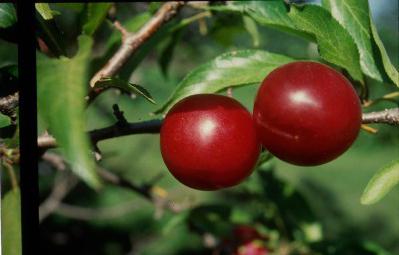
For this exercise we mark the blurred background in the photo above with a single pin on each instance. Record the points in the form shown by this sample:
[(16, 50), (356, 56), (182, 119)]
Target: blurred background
[(118, 221)]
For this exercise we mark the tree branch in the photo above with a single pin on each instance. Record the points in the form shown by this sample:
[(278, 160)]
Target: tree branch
[(116, 130), (66, 181), (132, 42), (388, 116), (47, 141), (63, 184)]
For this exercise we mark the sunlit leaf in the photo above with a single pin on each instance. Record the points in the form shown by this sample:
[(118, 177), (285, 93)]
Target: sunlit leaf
[(310, 22), (62, 87), (381, 183), (95, 15), (335, 43), (353, 15), (237, 68), (391, 71), (44, 10)]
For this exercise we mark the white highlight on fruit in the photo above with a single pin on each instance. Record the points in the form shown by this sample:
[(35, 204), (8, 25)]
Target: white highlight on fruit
[(301, 97), (206, 128)]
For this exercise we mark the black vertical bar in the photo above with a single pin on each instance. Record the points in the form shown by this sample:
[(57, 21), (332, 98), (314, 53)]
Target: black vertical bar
[(28, 126)]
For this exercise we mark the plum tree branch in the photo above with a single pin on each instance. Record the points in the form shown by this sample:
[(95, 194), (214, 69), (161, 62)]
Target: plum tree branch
[(132, 42), (118, 129), (46, 141), (388, 116)]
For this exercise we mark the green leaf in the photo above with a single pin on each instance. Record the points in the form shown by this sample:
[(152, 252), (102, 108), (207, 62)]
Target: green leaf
[(353, 15), (272, 13), (381, 183), (44, 10), (125, 86), (335, 43), (4, 121), (11, 69), (252, 29), (212, 218), (62, 86), (167, 52), (11, 223), (310, 22), (391, 71), (95, 14), (237, 68), (8, 16)]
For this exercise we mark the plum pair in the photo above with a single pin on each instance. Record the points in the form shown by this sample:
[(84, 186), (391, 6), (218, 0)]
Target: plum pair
[(305, 113)]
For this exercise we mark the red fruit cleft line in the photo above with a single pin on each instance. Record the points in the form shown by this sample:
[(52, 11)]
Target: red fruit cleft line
[(307, 113)]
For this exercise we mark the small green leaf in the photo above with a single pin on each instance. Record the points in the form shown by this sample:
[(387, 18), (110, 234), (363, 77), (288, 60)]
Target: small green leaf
[(335, 43), (10, 69), (11, 223), (4, 121), (62, 86), (125, 86), (252, 29), (44, 10), (95, 14), (353, 15), (391, 71), (237, 68), (381, 184), (167, 52), (8, 16)]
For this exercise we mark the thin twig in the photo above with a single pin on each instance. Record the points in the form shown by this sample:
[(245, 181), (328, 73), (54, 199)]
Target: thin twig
[(146, 191), (121, 182), (55, 160), (149, 191), (47, 141), (63, 184), (121, 29), (133, 41), (82, 213), (388, 116)]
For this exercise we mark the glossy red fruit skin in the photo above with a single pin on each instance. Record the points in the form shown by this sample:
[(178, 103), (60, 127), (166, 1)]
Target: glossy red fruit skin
[(209, 142), (306, 113)]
